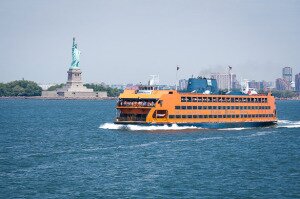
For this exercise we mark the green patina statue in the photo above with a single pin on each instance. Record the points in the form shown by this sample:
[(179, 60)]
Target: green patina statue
[(75, 55)]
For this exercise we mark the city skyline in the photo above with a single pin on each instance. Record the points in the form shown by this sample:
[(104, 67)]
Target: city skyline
[(126, 42)]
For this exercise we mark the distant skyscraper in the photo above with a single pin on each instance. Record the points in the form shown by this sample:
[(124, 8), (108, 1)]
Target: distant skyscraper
[(287, 74), (282, 84), (183, 83), (223, 81), (297, 82)]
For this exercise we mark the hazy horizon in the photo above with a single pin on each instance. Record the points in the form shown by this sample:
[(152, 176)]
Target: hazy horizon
[(126, 41)]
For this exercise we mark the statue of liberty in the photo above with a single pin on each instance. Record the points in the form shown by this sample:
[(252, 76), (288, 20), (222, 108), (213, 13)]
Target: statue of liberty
[(75, 55)]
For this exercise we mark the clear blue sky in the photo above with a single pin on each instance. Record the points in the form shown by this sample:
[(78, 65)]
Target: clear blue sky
[(125, 41)]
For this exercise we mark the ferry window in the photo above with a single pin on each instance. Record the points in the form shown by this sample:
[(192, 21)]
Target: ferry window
[(199, 99), (228, 99), (219, 116), (171, 116), (228, 116), (232, 100), (256, 107), (266, 100), (245, 116), (199, 107), (237, 107), (204, 107), (260, 115), (259, 99), (241, 107), (237, 116), (215, 116), (209, 99), (219, 107), (178, 116), (232, 107), (183, 107), (209, 107), (177, 107), (256, 115), (170, 92), (242, 116), (194, 107), (200, 116), (195, 116), (244, 100), (204, 99), (224, 107), (236, 99), (228, 107), (210, 116), (224, 116), (219, 99), (214, 107), (214, 99), (251, 107), (245, 107), (194, 99), (190, 116), (233, 116), (269, 107), (263, 107), (183, 99), (223, 99), (189, 99), (183, 116), (259, 107), (189, 107), (205, 116)]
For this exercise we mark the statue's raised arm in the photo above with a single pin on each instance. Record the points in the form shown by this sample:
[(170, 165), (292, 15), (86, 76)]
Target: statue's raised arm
[(75, 55)]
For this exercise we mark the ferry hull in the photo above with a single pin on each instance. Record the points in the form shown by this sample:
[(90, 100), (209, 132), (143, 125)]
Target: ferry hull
[(208, 125)]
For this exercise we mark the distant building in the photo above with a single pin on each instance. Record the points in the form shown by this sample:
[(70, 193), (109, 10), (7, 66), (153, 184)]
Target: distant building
[(287, 74), (260, 85), (297, 82), (282, 84), (183, 83), (226, 81)]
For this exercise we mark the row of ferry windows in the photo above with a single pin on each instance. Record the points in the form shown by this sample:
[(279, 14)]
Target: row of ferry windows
[(224, 99), (223, 107), (221, 116)]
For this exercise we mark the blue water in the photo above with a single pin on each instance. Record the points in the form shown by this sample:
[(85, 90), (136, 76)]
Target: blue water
[(71, 149)]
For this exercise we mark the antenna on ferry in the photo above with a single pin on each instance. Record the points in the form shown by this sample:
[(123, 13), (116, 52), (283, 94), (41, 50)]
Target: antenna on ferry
[(177, 68)]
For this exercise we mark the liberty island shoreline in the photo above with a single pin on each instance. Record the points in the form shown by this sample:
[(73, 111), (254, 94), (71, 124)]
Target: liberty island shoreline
[(55, 98)]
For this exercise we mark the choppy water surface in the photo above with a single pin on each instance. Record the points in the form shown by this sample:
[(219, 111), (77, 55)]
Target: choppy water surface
[(69, 149)]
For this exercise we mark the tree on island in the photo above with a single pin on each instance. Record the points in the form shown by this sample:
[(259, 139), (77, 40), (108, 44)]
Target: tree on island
[(111, 92), (20, 88), (54, 87)]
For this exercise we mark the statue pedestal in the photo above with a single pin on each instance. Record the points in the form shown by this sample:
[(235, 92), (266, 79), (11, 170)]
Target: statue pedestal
[(74, 83)]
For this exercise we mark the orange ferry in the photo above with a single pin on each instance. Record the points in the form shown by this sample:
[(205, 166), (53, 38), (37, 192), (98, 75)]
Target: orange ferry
[(150, 106)]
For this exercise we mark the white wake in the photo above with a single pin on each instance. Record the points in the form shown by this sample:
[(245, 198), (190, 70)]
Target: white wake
[(288, 124), (173, 127)]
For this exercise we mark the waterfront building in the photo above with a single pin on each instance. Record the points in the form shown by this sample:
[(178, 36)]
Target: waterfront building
[(282, 84), (74, 87), (297, 82), (287, 74)]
